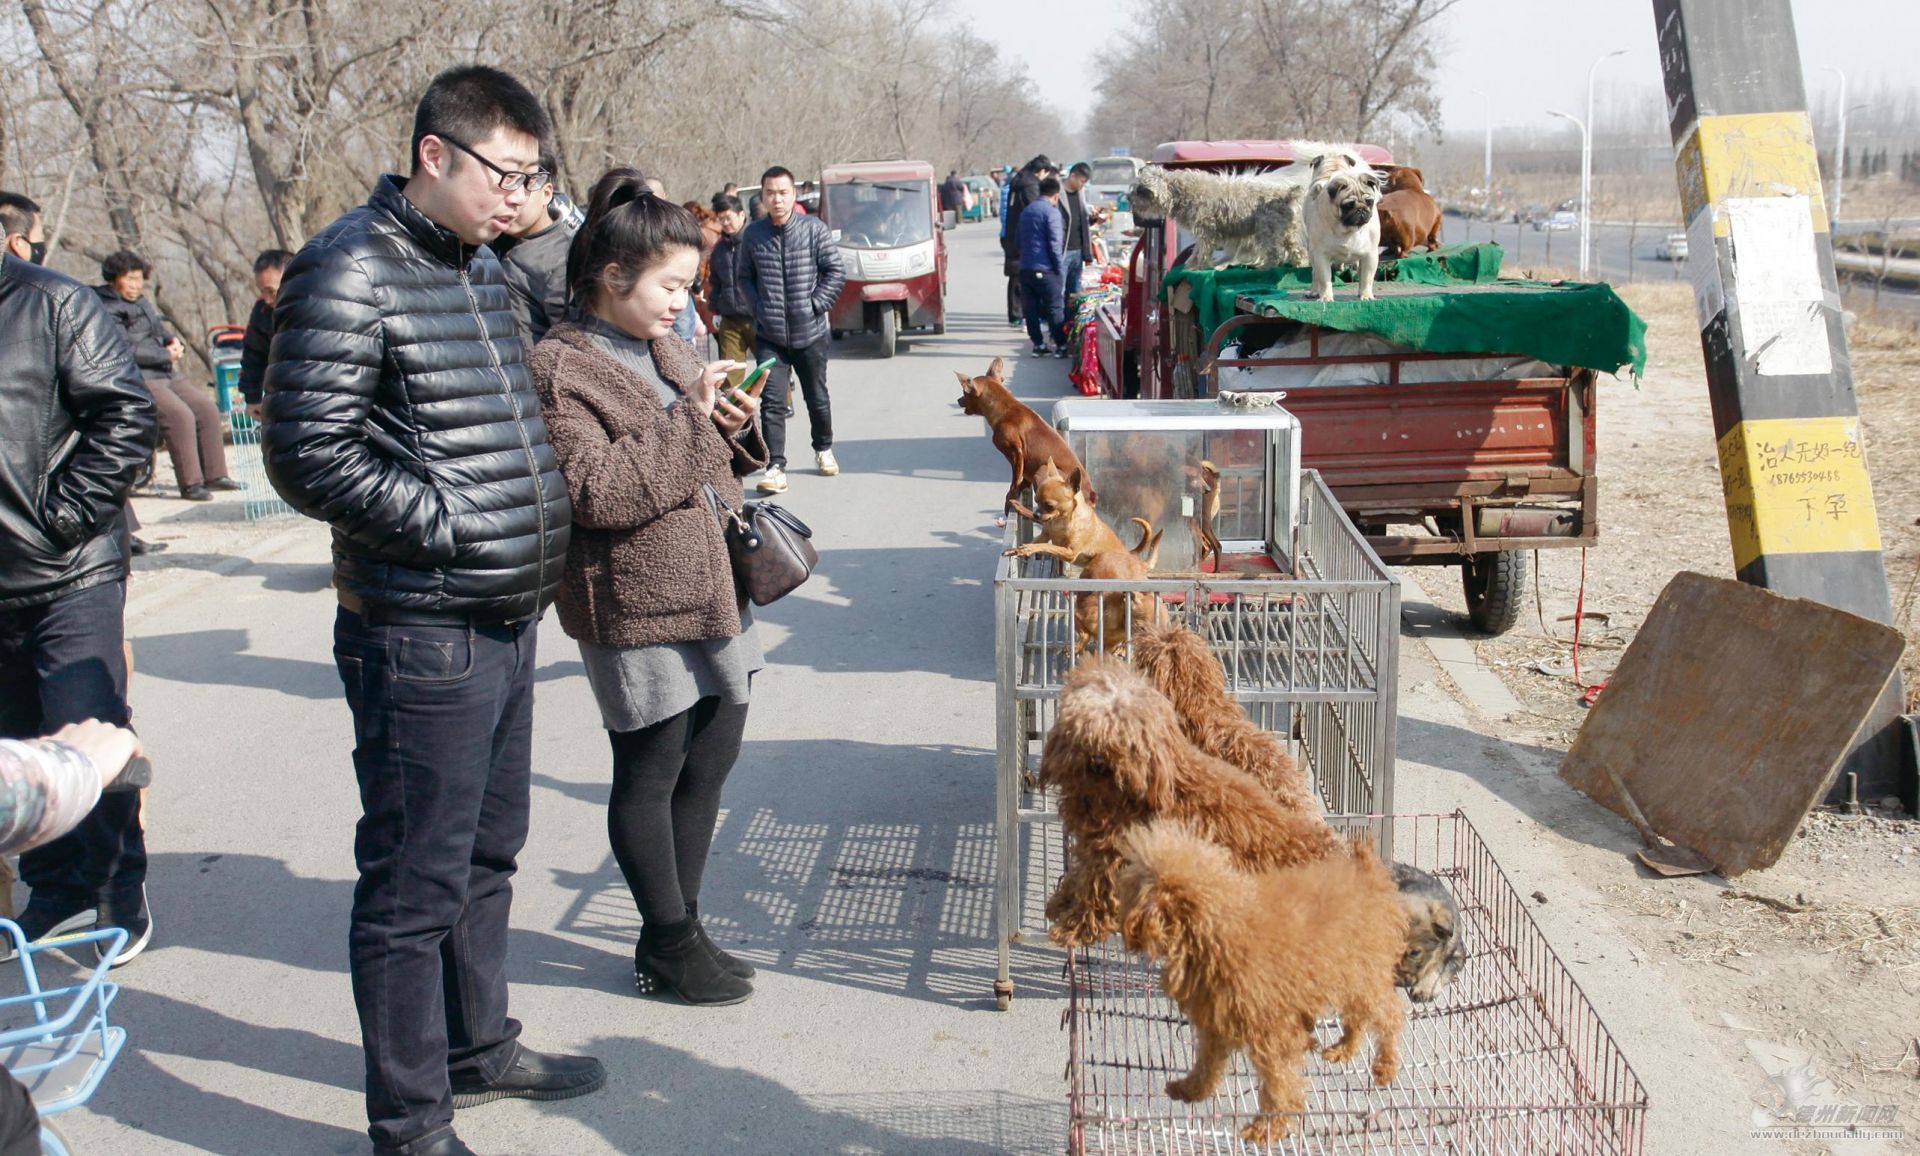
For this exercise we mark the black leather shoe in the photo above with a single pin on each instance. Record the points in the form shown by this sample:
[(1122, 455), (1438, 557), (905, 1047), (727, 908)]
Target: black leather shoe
[(534, 1076), (226, 485), (196, 493), (441, 1143), (142, 546)]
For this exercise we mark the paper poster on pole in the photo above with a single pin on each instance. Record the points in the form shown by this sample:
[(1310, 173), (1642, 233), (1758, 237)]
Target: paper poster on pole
[(1778, 297)]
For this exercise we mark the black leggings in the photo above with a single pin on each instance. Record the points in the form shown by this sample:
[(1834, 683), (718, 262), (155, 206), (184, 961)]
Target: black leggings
[(666, 798)]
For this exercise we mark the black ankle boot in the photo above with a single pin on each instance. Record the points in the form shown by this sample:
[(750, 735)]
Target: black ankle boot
[(733, 964), (671, 957)]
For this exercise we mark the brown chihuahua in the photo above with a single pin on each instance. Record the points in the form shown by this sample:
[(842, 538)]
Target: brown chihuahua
[(1070, 530), (1023, 436)]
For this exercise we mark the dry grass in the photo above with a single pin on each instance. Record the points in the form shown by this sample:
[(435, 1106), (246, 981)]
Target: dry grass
[(1739, 924)]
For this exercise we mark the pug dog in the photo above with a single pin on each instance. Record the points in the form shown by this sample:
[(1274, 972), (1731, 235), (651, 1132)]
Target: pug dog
[(1343, 220)]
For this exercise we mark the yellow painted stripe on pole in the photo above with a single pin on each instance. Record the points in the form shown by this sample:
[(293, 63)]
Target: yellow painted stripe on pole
[(1759, 154), (1797, 486)]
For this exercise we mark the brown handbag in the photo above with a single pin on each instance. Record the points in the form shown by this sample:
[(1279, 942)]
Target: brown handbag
[(772, 551)]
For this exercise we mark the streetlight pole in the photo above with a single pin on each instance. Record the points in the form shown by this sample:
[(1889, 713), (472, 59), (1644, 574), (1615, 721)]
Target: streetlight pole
[(1486, 180), (1586, 166), (1839, 147), (1586, 144)]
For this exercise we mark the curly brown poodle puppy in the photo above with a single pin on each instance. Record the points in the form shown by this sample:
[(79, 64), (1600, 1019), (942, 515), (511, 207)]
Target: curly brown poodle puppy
[(1181, 666), (1118, 758), (1253, 959)]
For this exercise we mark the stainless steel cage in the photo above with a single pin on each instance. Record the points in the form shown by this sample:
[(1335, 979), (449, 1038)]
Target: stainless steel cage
[(1311, 651), (1510, 1059)]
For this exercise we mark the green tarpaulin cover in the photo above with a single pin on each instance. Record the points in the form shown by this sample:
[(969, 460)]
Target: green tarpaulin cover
[(1446, 301)]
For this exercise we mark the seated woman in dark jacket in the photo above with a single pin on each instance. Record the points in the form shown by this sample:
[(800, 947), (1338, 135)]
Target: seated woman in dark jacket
[(648, 441), (191, 425)]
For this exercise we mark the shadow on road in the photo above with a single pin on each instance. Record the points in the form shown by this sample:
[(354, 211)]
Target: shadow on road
[(219, 658), (889, 902), (663, 1099)]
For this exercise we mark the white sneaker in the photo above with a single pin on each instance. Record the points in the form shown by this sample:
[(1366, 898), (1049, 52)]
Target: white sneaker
[(828, 467), (775, 481)]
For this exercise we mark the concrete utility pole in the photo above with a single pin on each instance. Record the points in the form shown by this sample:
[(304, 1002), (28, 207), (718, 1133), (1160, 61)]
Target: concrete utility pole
[(1799, 504)]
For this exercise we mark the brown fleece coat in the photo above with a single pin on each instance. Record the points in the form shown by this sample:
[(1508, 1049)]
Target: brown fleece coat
[(648, 562)]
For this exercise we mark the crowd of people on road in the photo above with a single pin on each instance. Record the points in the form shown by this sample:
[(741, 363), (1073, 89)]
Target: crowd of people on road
[(488, 394), (492, 395), (1046, 252)]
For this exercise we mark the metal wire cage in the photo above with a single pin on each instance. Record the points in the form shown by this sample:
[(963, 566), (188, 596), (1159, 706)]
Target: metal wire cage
[(1311, 650), (1510, 1059)]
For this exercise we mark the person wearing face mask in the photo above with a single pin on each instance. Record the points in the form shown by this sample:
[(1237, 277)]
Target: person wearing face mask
[(651, 443), (80, 424), (398, 410)]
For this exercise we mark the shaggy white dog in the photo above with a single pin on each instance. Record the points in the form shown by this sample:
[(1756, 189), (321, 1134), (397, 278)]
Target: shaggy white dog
[(1253, 216)]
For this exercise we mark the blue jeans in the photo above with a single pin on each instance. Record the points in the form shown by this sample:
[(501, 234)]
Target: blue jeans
[(1046, 311), (442, 728), (61, 662), (1075, 263)]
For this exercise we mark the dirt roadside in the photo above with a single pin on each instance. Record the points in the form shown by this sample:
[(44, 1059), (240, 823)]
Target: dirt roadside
[(1813, 966)]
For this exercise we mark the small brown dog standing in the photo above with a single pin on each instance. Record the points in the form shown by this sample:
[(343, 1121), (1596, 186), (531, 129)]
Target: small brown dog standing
[(1021, 435), (1070, 530), (1118, 758), (1253, 959)]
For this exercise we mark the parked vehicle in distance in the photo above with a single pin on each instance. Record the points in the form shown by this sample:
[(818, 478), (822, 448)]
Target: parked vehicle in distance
[(1560, 221), (893, 248), (1112, 178), (986, 199), (1672, 247)]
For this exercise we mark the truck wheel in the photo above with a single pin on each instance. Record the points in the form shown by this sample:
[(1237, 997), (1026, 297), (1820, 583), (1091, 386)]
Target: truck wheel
[(940, 326), (1493, 585), (889, 331)]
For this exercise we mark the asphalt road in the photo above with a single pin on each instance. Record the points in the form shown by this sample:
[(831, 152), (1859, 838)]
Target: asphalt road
[(1622, 253)]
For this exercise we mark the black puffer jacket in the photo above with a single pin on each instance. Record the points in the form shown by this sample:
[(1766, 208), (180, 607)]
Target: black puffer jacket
[(399, 411), (147, 334), (536, 272), (793, 274), (78, 423), (726, 296)]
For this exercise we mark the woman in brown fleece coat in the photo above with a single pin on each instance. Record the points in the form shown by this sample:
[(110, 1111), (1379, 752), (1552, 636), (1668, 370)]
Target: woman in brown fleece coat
[(649, 441)]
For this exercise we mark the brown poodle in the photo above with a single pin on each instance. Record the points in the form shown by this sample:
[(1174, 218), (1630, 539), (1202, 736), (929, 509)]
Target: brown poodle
[(1255, 959), (1181, 666), (1118, 758)]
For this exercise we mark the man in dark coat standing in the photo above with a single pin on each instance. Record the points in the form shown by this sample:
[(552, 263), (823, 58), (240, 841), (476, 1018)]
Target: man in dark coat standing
[(80, 423), (1023, 191), (399, 411)]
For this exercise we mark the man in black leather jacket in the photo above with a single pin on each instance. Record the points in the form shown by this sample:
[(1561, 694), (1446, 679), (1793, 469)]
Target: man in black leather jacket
[(399, 411), (79, 424)]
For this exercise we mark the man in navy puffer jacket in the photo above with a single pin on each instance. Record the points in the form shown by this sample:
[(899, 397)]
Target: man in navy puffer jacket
[(790, 267)]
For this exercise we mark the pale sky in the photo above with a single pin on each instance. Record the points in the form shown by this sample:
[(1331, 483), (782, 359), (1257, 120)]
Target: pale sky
[(1496, 45)]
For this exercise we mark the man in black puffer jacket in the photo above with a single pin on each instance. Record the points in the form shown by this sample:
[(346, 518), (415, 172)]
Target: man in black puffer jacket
[(399, 411), (790, 267), (79, 424)]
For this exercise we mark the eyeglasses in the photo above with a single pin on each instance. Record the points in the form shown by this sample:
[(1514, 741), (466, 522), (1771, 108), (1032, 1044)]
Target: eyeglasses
[(509, 181)]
